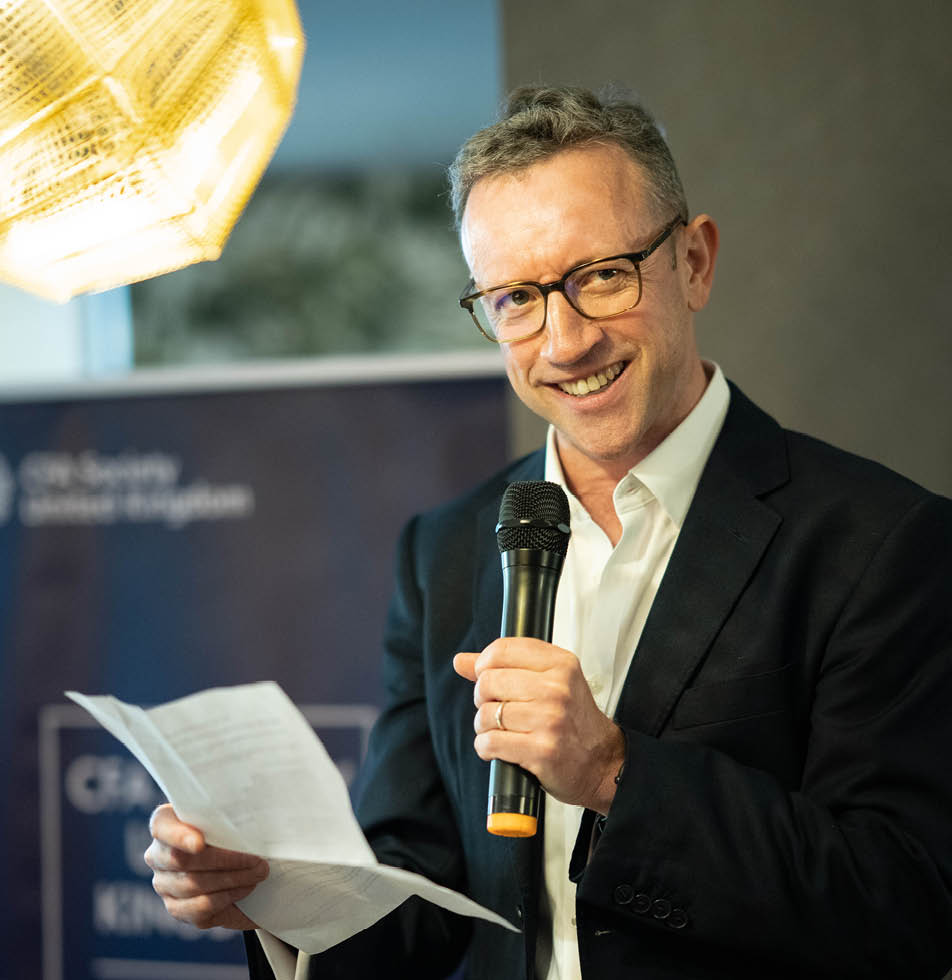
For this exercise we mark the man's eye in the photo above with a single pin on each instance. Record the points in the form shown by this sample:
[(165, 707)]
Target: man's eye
[(606, 277), (606, 274), (513, 300)]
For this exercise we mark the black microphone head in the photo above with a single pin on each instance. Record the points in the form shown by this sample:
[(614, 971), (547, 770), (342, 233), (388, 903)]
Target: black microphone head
[(534, 514)]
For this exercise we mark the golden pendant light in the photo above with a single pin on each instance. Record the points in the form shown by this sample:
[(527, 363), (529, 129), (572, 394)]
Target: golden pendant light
[(133, 132)]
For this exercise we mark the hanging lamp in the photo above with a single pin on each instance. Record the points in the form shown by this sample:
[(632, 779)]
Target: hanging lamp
[(133, 132)]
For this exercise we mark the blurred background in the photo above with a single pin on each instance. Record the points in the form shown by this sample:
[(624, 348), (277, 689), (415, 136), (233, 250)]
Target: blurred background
[(202, 475), (816, 135)]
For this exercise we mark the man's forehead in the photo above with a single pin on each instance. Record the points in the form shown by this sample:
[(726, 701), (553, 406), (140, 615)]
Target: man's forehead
[(576, 205), (603, 166)]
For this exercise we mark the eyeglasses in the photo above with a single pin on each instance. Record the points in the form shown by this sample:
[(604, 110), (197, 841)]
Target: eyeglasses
[(597, 290)]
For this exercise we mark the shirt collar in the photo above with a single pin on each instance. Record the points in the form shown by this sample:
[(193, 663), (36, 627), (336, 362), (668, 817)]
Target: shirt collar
[(672, 471)]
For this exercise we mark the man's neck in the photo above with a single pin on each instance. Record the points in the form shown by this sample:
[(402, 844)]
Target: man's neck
[(593, 481), (594, 485)]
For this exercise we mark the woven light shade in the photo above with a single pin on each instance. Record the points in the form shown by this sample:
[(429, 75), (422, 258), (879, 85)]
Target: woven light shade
[(133, 132)]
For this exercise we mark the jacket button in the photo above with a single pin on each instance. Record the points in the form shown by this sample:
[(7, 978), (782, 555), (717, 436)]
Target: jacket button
[(661, 908), (624, 894), (678, 919), (642, 903)]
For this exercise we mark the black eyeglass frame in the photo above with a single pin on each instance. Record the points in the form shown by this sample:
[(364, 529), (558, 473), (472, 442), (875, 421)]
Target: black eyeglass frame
[(467, 300)]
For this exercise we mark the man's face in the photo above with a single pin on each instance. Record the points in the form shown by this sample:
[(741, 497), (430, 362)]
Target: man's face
[(643, 366)]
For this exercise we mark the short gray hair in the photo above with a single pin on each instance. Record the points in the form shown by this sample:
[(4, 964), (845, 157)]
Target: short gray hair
[(539, 121)]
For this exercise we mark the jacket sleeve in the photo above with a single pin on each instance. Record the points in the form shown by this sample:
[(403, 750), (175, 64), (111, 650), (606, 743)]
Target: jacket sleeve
[(848, 875)]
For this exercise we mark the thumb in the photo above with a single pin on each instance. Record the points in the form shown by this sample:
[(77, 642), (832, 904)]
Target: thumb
[(465, 665)]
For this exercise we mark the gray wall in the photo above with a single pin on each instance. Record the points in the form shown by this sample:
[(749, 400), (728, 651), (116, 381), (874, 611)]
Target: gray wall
[(817, 135)]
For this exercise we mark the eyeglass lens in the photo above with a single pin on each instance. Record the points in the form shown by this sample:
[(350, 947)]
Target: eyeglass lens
[(599, 290)]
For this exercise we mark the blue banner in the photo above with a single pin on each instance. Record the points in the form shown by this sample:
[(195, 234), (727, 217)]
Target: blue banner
[(155, 545)]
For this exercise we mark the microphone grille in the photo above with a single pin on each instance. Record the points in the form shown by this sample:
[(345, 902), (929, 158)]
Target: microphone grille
[(534, 514)]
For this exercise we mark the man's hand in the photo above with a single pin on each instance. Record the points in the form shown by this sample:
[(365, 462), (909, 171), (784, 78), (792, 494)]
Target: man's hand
[(199, 883), (551, 724)]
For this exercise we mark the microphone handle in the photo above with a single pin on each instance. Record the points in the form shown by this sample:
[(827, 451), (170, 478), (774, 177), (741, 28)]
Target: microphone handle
[(530, 580)]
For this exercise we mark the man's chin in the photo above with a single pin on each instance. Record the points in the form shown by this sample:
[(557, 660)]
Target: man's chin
[(618, 452)]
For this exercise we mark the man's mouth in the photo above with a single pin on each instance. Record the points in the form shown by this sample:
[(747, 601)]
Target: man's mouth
[(594, 382)]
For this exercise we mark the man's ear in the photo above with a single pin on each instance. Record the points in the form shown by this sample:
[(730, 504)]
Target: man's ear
[(699, 250)]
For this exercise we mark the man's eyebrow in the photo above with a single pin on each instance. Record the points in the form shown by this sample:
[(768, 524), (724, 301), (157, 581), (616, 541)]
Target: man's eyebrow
[(544, 282)]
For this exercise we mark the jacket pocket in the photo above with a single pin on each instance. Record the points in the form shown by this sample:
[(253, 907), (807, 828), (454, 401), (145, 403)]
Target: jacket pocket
[(734, 699)]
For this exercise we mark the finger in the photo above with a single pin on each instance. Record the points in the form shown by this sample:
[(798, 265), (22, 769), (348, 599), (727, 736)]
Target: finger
[(221, 859), (512, 714), (513, 684), (519, 651), (166, 827), (545, 718), (161, 857), (520, 748), (178, 884), (209, 911), (464, 665)]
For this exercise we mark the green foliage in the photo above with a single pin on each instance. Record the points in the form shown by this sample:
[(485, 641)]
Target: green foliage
[(326, 265)]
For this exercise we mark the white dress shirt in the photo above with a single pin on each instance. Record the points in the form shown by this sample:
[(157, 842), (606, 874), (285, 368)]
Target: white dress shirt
[(601, 606)]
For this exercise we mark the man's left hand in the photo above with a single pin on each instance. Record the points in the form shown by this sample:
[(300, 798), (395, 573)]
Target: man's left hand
[(551, 724)]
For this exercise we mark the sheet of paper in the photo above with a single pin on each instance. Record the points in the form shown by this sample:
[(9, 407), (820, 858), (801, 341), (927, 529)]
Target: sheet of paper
[(244, 766)]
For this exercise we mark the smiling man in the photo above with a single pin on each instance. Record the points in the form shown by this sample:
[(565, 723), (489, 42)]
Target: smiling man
[(614, 384), (737, 721)]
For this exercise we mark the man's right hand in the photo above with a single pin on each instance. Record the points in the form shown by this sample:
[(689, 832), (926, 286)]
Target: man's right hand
[(197, 882)]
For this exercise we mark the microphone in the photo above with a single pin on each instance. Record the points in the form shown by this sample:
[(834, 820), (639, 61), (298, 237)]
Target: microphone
[(533, 536)]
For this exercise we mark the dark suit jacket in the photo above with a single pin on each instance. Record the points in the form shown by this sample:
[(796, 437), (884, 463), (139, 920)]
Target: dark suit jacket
[(786, 806)]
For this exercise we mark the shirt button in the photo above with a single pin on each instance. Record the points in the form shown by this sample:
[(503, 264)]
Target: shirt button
[(661, 908), (624, 894)]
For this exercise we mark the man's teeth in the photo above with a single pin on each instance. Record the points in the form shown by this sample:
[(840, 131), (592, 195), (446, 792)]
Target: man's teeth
[(594, 382)]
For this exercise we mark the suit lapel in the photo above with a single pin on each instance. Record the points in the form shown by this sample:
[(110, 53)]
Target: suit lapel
[(723, 538)]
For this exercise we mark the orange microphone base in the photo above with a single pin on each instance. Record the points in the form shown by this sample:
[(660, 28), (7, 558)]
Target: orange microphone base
[(511, 824)]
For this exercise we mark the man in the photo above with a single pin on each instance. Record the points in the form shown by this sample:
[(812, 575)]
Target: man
[(741, 722)]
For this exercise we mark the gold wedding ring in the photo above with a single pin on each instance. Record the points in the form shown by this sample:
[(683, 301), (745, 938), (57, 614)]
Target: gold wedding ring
[(499, 723)]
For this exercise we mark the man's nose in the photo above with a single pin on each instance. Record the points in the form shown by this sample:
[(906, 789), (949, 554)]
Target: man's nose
[(568, 335)]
